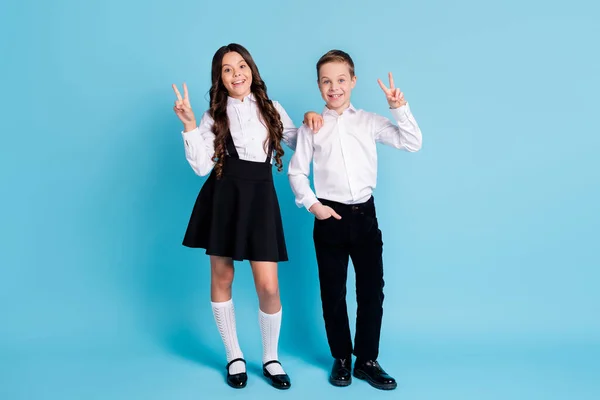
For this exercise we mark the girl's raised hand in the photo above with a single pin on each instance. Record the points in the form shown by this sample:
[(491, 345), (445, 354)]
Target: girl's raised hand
[(183, 108)]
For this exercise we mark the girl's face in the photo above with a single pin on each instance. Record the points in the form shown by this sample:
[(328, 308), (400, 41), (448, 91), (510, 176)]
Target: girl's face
[(236, 75)]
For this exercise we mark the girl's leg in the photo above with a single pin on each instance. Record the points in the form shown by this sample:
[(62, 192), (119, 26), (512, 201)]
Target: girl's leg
[(267, 288), (222, 305)]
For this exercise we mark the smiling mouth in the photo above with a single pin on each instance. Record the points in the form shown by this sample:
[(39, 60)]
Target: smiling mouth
[(238, 83), (334, 96)]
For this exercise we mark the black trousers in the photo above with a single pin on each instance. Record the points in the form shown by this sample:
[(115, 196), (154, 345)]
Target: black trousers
[(355, 236)]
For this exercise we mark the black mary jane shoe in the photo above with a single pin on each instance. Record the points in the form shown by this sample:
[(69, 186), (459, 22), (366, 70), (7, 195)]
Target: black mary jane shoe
[(236, 381), (340, 372), (372, 372), (281, 381)]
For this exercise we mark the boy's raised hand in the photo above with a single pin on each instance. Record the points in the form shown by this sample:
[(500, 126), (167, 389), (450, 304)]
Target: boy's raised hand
[(183, 108), (323, 212), (394, 96)]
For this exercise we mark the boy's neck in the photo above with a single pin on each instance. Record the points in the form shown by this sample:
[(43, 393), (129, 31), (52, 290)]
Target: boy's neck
[(339, 110)]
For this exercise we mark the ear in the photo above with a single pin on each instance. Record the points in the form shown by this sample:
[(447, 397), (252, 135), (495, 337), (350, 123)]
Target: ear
[(353, 82)]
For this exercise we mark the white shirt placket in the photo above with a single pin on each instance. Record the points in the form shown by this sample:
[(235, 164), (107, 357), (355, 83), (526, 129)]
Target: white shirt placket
[(345, 151)]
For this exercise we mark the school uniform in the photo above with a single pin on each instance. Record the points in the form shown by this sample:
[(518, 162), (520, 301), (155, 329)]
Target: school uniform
[(344, 161), (238, 215)]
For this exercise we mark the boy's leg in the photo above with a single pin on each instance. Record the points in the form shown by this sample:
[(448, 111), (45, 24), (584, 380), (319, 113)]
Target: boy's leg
[(332, 259), (367, 252), (367, 257)]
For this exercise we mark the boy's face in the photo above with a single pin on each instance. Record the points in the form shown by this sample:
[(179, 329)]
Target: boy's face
[(336, 84), (236, 75)]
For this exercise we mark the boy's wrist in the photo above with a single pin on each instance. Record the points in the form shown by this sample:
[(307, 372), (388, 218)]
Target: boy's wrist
[(397, 106), (400, 113), (313, 208), (310, 202)]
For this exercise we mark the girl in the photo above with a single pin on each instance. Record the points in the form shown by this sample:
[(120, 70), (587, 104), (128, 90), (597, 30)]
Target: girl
[(236, 215)]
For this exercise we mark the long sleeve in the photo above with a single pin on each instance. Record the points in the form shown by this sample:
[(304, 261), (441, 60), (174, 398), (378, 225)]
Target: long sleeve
[(290, 132), (299, 169), (405, 136), (199, 146)]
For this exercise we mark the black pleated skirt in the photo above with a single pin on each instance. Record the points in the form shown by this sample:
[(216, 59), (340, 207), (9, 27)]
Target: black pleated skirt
[(238, 215)]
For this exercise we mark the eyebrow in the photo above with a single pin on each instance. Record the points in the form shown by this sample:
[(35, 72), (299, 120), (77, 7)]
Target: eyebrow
[(326, 77), (241, 61)]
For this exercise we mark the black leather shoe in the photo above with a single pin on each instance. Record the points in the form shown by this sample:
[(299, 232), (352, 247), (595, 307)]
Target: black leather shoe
[(281, 381), (340, 372), (236, 381), (372, 372)]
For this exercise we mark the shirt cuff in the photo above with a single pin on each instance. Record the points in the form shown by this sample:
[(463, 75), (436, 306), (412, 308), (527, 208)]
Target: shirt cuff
[(193, 132), (401, 113), (309, 202), (191, 136)]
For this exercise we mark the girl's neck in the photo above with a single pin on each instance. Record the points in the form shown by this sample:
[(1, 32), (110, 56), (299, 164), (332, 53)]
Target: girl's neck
[(240, 98)]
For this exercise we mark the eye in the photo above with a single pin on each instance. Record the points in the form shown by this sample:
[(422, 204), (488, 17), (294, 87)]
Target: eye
[(243, 66), (342, 80), (226, 70), (326, 82)]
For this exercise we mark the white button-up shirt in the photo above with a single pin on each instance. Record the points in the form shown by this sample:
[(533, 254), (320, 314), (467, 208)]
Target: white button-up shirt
[(344, 154), (248, 132)]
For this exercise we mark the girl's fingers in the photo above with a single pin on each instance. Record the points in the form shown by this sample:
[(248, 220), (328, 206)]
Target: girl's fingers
[(177, 92), (186, 95)]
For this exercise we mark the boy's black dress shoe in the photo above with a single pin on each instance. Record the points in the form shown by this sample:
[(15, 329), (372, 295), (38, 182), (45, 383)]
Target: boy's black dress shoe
[(236, 381), (372, 372), (340, 372), (281, 381)]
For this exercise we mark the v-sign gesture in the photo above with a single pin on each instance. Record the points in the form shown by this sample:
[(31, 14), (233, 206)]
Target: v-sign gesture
[(183, 108), (395, 97)]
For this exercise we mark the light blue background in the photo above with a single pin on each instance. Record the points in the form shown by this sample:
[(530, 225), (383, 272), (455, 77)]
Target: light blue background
[(491, 232)]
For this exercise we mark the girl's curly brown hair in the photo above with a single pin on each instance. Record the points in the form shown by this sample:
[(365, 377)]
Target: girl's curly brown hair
[(218, 108)]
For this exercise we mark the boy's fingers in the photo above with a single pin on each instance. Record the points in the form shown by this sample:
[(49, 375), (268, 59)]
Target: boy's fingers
[(383, 87), (334, 214)]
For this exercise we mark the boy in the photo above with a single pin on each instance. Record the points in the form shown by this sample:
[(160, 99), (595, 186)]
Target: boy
[(344, 157)]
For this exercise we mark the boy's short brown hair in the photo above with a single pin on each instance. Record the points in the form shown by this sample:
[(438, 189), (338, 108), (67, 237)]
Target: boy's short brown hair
[(336, 56)]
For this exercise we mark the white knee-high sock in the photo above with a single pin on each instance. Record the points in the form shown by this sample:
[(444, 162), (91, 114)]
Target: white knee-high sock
[(225, 318), (270, 325)]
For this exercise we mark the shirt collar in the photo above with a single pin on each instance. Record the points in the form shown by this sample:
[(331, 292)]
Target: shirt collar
[(231, 100), (327, 111)]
